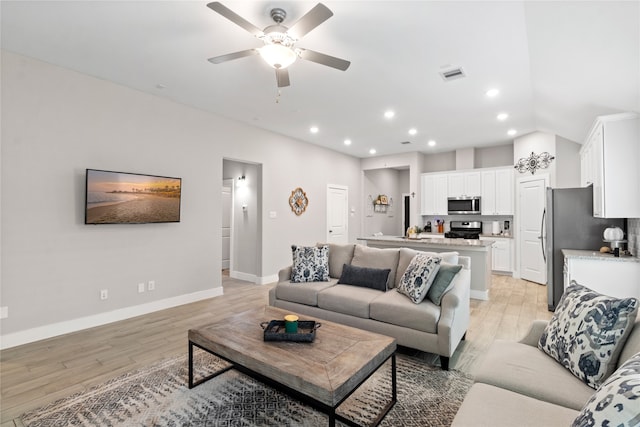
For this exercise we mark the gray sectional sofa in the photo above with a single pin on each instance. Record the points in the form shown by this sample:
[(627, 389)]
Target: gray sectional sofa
[(425, 326), (519, 385)]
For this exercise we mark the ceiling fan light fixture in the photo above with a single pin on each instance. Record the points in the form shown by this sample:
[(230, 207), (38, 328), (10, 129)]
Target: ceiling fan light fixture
[(277, 55)]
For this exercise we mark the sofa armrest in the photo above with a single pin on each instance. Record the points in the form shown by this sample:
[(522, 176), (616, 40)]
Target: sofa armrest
[(535, 332), (454, 313), (284, 274)]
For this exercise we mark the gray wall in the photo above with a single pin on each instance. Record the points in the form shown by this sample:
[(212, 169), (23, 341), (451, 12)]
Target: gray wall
[(493, 157), (57, 122), (387, 182)]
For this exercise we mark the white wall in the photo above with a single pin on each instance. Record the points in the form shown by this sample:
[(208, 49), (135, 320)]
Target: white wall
[(57, 122)]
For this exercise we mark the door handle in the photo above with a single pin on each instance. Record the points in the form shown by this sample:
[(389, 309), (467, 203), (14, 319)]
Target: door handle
[(544, 213)]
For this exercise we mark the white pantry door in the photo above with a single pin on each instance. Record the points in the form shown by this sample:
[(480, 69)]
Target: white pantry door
[(337, 214), (532, 202)]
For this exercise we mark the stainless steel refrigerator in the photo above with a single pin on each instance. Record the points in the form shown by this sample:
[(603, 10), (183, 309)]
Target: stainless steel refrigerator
[(568, 223)]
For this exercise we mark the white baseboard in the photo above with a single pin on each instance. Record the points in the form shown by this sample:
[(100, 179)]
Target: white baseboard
[(68, 326), (481, 295), (263, 280)]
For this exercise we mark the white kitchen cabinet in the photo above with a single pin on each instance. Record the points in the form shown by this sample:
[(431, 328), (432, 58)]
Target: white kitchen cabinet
[(497, 192), (433, 194), (500, 253), (465, 184), (609, 159), (616, 277)]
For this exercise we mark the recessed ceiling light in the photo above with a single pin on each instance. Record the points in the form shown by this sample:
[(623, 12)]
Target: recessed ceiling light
[(492, 93), (372, 151), (431, 143), (502, 116), (512, 132), (413, 131), (347, 142), (389, 114), (314, 129)]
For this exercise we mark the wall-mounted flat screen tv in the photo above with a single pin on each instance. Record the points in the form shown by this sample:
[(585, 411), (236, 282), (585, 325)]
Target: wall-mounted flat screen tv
[(131, 198)]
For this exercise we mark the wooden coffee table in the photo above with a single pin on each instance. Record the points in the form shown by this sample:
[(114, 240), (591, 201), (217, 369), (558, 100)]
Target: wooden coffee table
[(323, 373)]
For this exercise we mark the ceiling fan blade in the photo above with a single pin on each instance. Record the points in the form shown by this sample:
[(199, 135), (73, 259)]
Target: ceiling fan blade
[(282, 77), (216, 6), (311, 20), (321, 58), (231, 56)]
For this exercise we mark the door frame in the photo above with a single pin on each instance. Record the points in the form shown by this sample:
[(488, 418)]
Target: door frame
[(515, 228), (231, 182), (346, 212)]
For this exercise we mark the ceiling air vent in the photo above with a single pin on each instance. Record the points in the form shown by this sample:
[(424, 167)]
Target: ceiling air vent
[(405, 142), (452, 74)]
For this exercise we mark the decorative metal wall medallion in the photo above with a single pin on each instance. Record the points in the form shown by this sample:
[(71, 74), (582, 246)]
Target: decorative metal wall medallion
[(298, 201), (534, 162)]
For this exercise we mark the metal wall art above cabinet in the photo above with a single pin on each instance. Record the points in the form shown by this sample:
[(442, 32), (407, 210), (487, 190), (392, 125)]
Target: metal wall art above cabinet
[(609, 162)]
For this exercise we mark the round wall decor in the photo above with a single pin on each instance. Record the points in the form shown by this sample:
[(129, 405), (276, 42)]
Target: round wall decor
[(298, 201)]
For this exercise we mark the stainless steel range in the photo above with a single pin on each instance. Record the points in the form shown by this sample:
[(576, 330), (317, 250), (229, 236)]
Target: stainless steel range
[(464, 230)]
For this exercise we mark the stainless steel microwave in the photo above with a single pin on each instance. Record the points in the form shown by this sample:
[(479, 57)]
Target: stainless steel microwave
[(463, 205)]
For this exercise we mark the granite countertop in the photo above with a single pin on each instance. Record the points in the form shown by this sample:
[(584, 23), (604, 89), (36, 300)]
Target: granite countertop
[(438, 241), (497, 236), (599, 256)]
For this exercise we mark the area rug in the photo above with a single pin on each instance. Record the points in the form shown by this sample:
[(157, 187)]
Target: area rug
[(159, 396)]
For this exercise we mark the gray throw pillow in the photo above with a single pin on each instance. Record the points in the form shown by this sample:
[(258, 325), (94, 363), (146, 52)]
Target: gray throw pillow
[(310, 264), (617, 401), (374, 278), (443, 281), (587, 332)]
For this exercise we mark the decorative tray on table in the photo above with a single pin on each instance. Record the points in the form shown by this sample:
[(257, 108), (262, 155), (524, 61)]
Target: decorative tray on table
[(274, 331)]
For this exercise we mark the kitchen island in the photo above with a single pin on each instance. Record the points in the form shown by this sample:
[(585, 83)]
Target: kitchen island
[(478, 250)]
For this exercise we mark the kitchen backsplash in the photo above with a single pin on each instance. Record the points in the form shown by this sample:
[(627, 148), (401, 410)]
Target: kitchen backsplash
[(633, 235)]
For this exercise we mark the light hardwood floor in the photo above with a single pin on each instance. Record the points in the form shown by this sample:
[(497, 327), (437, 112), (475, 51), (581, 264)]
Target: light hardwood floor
[(35, 374)]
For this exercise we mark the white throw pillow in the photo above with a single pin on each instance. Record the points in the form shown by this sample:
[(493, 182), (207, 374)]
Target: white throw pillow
[(418, 277)]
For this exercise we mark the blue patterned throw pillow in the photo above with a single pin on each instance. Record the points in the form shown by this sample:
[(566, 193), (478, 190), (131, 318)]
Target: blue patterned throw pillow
[(587, 332), (310, 264), (617, 401), (418, 277)]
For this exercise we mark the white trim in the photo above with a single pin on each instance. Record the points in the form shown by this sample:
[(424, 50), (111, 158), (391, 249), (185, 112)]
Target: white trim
[(68, 326), (242, 276), (480, 295), (231, 183), (265, 280)]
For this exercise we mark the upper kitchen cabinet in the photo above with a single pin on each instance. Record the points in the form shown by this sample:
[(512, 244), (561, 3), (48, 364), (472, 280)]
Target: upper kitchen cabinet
[(609, 162), (465, 184), (434, 194), (497, 192)]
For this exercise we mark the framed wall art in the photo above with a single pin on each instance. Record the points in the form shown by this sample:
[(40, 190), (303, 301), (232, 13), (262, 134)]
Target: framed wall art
[(298, 201)]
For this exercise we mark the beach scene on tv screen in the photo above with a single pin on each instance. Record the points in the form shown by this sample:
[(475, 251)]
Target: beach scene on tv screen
[(115, 197)]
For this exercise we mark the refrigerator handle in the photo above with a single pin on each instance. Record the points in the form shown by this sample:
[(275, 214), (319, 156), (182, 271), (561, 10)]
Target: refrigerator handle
[(541, 237)]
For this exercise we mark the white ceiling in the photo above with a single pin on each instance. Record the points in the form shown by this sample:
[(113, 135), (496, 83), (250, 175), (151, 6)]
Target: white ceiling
[(557, 65)]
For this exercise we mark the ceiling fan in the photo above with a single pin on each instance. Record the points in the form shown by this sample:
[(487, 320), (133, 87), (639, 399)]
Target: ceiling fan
[(279, 49)]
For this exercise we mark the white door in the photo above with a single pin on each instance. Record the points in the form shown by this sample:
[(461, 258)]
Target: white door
[(337, 214), (532, 204), (227, 198)]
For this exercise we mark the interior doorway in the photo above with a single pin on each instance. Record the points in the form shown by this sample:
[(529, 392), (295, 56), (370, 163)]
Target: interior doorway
[(406, 213), (337, 214)]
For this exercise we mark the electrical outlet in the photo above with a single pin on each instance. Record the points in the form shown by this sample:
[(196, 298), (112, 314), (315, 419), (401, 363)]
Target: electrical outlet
[(104, 294), (4, 312), (140, 288), (151, 285)]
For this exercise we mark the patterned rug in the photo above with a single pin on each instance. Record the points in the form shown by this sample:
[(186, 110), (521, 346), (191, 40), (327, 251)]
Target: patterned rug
[(159, 396)]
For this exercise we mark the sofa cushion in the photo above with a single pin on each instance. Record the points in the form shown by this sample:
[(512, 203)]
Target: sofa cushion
[(395, 308), (374, 278), (617, 401), (302, 293), (406, 255), (443, 281), (418, 277), (525, 369), (587, 332), (339, 255), (488, 406), (310, 264), (364, 256), (347, 299)]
